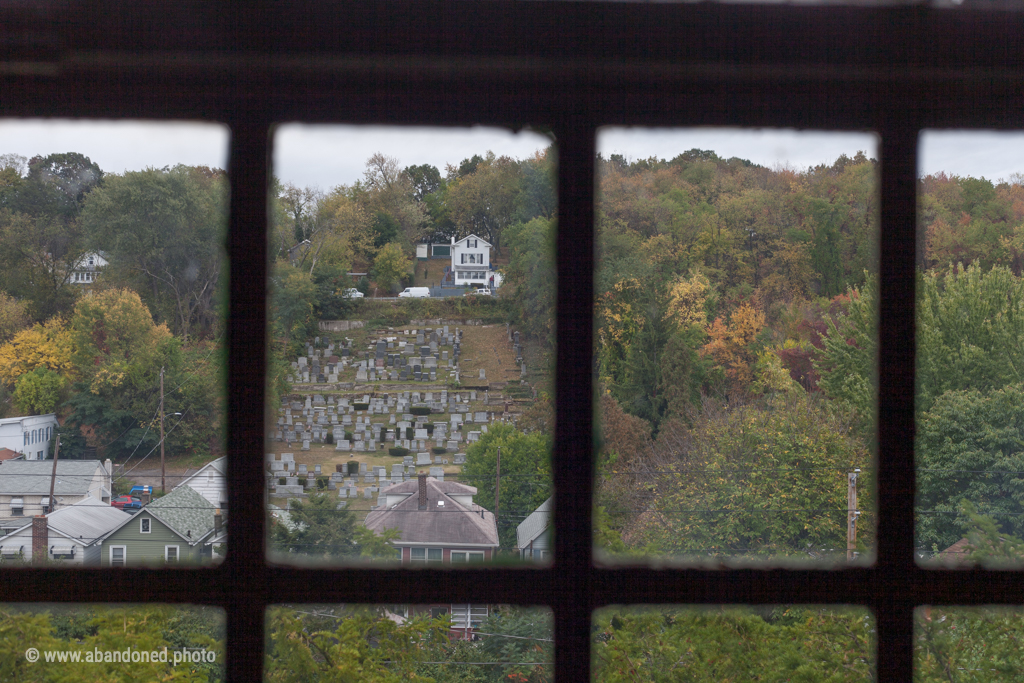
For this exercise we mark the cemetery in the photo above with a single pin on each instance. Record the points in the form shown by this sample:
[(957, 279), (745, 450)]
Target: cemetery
[(372, 407)]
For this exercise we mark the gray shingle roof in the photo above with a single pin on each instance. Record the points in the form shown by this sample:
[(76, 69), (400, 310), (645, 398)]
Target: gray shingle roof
[(534, 525), (452, 524), (32, 477), (184, 511)]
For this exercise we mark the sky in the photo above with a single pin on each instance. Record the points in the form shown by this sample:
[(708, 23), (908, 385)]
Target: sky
[(328, 156)]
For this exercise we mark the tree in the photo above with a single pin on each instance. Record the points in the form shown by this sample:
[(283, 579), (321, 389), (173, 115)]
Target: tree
[(732, 344), (318, 529), (390, 190), (360, 645), (48, 346), (41, 252), (528, 275), (390, 266), (13, 317), (848, 362), (969, 445), (751, 481), (39, 392), (525, 475), (117, 353), (164, 231), (484, 202)]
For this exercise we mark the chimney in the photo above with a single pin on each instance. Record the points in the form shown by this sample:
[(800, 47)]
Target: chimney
[(217, 521), (110, 476), (423, 491), (40, 539)]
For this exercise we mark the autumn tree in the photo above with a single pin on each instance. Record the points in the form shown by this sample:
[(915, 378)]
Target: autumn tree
[(732, 344), (164, 232), (48, 346), (390, 266), (388, 189), (484, 202)]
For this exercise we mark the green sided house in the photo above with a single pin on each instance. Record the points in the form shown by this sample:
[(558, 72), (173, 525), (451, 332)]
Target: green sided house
[(174, 529)]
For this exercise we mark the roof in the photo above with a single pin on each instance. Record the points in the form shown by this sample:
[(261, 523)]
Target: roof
[(185, 512), (86, 520), (220, 465), (481, 239), (534, 525), (8, 454), (452, 524), (32, 477)]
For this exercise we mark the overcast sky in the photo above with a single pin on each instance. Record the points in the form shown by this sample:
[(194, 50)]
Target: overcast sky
[(327, 156)]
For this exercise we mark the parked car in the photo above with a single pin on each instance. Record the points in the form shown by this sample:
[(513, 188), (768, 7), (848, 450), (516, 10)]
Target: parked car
[(415, 292), (479, 292), (141, 489), (127, 503), (352, 293)]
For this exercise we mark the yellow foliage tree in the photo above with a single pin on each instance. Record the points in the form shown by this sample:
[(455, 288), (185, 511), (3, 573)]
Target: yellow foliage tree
[(687, 297), (730, 343), (41, 346)]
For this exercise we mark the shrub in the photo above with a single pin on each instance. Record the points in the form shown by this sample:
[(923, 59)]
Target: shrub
[(353, 467), (419, 410), (321, 482), (430, 429), (398, 452), (281, 481), (361, 406), (329, 438), (348, 436), (409, 432), (437, 450)]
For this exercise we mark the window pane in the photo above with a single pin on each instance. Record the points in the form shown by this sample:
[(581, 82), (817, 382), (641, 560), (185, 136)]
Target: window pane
[(113, 642), (450, 642), (735, 345), (970, 327), (968, 643), (793, 642), (112, 235), (411, 307)]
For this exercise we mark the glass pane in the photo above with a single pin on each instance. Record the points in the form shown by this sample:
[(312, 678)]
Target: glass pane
[(112, 642), (111, 354), (735, 346), (793, 642), (968, 644), (970, 331), (411, 340), (443, 642)]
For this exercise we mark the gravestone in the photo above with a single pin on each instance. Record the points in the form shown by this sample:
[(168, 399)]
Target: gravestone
[(422, 459)]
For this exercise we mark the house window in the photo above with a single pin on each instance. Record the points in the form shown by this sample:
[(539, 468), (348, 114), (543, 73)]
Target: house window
[(471, 244), (66, 552), (464, 557), (170, 553), (17, 507), (118, 556), (468, 616), (426, 555), (144, 525)]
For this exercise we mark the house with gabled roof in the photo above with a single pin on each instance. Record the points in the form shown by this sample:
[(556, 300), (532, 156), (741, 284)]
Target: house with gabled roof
[(533, 535), (471, 262), (210, 481), (173, 529), (439, 524), (72, 535), (25, 487)]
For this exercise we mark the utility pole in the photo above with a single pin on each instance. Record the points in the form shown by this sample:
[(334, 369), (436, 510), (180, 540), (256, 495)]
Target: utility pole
[(851, 514), (163, 473), (53, 477)]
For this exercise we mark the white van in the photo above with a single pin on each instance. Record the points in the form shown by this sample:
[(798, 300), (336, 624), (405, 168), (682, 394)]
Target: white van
[(415, 292)]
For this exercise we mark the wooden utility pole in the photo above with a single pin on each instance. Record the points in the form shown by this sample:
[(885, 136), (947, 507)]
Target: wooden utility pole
[(53, 477), (163, 472), (851, 514)]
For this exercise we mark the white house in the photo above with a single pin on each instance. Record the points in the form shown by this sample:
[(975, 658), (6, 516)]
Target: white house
[(210, 482), (30, 435), (87, 270), (471, 261), (533, 535), (72, 534), (25, 485)]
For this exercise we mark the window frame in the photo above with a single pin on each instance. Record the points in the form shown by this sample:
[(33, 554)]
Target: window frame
[(145, 525), (573, 67)]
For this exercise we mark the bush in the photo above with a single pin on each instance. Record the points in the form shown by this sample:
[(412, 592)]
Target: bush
[(430, 429), (321, 482), (437, 450), (361, 406), (409, 432), (398, 452), (281, 481), (419, 410), (353, 467), (329, 438), (348, 436)]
